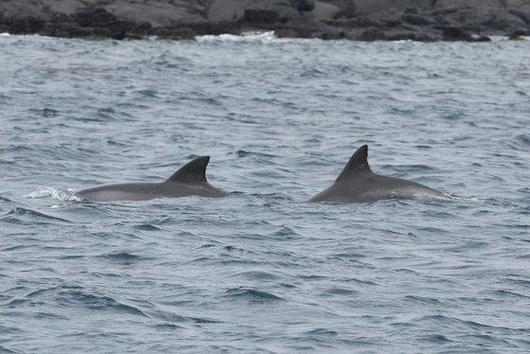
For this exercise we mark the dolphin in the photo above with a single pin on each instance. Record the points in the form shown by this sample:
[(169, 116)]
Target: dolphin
[(357, 184), (188, 180)]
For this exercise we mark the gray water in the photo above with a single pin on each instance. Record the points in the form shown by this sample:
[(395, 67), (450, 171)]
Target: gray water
[(261, 270)]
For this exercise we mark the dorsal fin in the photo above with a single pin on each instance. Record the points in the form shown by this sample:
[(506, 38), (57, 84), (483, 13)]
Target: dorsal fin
[(358, 163), (193, 172)]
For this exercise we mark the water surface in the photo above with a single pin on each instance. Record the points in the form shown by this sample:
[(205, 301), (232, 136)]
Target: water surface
[(261, 270)]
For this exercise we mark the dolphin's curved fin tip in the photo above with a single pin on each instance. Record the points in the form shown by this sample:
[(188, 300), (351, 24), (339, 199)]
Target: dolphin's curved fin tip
[(192, 172), (358, 163)]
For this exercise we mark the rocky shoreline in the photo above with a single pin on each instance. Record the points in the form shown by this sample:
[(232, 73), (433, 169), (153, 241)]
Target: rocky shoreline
[(364, 20)]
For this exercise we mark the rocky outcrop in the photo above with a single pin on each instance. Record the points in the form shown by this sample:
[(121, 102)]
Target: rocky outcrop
[(422, 20)]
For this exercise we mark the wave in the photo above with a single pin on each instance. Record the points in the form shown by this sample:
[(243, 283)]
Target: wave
[(260, 37), (124, 258), (96, 301), (77, 296), (18, 211), (256, 275), (252, 295)]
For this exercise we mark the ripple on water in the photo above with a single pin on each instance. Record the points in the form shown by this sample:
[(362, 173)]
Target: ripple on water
[(340, 292), (285, 233), (523, 140), (94, 301), (256, 275), (147, 227), (21, 215), (73, 296), (171, 318), (123, 257), (253, 296)]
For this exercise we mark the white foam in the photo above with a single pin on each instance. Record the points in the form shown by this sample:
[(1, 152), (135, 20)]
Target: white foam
[(4, 34), (62, 195), (263, 37)]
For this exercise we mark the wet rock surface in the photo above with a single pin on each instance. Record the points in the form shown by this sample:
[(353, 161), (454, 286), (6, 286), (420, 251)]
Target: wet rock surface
[(367, 20)]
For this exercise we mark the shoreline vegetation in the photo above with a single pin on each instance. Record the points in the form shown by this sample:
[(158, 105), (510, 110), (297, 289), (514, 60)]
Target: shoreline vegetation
[(360, 20)]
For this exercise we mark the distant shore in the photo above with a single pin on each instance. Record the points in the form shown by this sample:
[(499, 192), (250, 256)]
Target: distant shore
[(362, 20)]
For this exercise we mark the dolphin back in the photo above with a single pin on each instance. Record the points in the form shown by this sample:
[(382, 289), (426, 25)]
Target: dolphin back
[(189, 180), (357, 183)]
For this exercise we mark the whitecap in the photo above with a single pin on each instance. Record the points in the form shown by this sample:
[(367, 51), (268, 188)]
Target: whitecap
[(62, 195), (263, 37)]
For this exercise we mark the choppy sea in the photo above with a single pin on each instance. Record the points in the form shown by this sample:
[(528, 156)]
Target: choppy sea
[(262, 270)]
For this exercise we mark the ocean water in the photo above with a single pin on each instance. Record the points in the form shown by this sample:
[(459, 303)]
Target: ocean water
[(262, 270)]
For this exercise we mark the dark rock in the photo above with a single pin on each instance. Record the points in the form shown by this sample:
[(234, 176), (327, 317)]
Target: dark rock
[(322, 12), (416, 20), (456, 34), (503, 21), (332, 35), (303, 5), (24, 25), (469, 3), (346, 8), (422, 20), (393, 23), (376, 6), (359, 22), (179, 34), (267, 16), (525, 16), (66, 30), (287, 33), (141, 29), (481, 15), (234, 10), (518, 35), (94, 17), (440, 20), (444, 11), (372, 34), (103, 23), (59, 18)]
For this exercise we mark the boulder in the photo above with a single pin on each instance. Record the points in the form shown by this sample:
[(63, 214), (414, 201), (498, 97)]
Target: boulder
[(303, 5), (458, 4), (158, 13), (456, 34), (234, 10), (64, 7), (365, 7), (416, 20), (347, 8), (517, 3), (397, 34), (520, 8), (24, 25), (95, 17), (322, 11), (522, 14), (261, 16), (484, 18)]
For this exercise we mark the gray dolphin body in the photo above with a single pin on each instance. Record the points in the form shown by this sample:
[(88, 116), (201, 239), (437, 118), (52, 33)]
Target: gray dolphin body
[(189, 180), (358, 184)]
